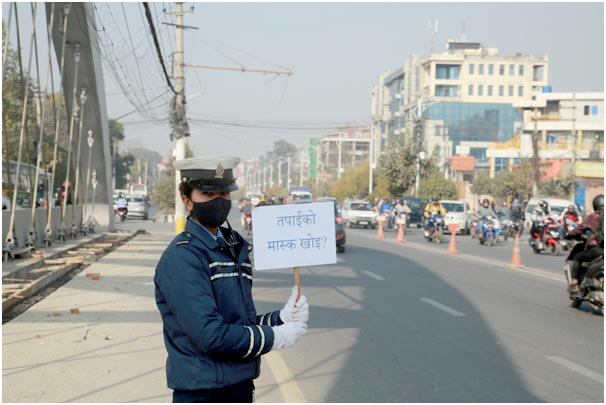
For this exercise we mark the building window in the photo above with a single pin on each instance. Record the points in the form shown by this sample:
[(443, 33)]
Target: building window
[(512, 70), (520, 91), (590, 110), (470, 90), (471, 68), (521, 70), (501, 70), (551, 138), (491, 69), (489, 90), (481, 69), (510, 91), (480, 90), (446, 91), (501, 164), (501, 91), (450, 72)]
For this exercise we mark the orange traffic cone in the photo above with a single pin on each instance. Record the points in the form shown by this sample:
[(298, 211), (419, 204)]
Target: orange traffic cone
[(400, 237), (381, 221), (516, 258), (452, 246)]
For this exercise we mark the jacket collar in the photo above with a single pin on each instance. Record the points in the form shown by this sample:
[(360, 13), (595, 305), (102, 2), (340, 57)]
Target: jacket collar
[(195, 229)]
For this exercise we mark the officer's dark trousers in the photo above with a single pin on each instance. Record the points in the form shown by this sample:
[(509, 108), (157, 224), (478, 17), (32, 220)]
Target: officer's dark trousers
[(241, 392)]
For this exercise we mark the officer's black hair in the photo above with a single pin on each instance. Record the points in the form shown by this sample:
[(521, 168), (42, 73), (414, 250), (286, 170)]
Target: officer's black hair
[(185, 189)]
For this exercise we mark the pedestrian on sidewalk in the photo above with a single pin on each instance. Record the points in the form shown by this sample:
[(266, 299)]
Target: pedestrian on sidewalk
[(203, 282)]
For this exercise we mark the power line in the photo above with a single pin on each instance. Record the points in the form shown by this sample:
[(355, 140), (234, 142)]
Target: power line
[(153, 32)]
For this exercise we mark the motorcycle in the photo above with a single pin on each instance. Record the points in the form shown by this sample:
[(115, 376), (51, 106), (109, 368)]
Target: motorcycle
[(474, 228), (436, 229), (489, 232), (389, 219), (566, 226), (121, 212), (248, 223), (592, 284), (549, 239), (514, 228)]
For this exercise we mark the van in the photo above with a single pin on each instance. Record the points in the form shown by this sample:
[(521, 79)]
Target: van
[(458, 212), (556, 207)]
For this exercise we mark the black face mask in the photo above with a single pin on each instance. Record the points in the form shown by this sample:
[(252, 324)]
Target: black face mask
[(212, 213)]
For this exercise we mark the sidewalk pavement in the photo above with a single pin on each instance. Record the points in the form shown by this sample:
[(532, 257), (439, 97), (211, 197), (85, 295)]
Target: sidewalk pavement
[(112, 350)]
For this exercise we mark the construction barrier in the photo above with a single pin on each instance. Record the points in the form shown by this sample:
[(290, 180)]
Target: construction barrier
[(381, 223), (516, 257), (452, 246)]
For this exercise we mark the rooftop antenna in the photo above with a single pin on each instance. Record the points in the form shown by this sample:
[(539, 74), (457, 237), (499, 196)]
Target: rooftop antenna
[(433, 32)]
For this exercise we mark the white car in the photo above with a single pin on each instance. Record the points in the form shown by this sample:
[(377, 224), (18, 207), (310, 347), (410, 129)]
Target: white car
[(458, 212), (359, 213)]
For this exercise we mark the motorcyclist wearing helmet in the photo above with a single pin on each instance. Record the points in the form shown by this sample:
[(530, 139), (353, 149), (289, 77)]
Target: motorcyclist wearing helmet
[(482, 212), (516, 214), (568, 218), (595, 241), (540, 213), (433, 207)]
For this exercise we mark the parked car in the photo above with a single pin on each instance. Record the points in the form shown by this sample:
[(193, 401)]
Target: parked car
[(458, 212), (417, 205), (6, 202), (137, 207), (358, 213), (339, 229)]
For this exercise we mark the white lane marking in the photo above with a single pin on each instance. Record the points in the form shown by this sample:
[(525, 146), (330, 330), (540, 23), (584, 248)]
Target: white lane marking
[(577, 368), (373, 275), (504, 265), (291, 392), (443, 307)]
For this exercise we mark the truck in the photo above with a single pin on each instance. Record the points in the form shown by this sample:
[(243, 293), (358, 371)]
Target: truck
[(300, 194)]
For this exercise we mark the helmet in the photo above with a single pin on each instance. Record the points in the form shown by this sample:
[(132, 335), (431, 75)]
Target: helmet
[(572, 207), (598, 202), (517, 208), (485, 201), (544, 205), (434, 198)]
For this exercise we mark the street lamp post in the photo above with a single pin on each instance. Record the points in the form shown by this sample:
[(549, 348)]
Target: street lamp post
[(91, 141), (91, 223)]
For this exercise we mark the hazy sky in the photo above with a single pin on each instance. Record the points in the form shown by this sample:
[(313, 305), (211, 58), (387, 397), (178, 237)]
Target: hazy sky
[(336, 51)]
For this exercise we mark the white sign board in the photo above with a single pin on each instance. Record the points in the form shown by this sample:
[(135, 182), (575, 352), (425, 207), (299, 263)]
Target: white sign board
[(294, 235)]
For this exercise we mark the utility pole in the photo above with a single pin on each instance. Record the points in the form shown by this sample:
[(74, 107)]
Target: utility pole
[(180, 127), (370, 154), (574, 142), (535, 154), (301, 178)]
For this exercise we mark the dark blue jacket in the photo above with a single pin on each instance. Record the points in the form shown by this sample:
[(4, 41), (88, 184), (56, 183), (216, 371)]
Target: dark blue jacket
[(212, 332)]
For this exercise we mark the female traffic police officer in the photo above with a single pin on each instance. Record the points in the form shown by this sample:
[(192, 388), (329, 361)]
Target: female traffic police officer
[(213, 335)]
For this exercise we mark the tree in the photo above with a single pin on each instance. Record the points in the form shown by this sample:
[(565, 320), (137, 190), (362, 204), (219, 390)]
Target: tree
[(515, 183), (399, 166), (354, 183), (482, 184), (164, 194), (437, 185)]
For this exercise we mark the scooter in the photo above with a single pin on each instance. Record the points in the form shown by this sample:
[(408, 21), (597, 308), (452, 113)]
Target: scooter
[(592, 284), (389, 219), (248, 224), (436, 229), (489, 232), (121, 211), (549, 239)]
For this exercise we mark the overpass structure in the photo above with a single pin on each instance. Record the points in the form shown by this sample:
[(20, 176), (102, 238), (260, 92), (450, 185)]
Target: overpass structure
[(88, 182)]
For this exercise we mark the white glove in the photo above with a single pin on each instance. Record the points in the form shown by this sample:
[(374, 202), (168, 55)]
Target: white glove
[(295, 311), (288, 334)]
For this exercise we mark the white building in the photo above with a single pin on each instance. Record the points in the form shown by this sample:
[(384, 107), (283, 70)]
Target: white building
[(464, 94)]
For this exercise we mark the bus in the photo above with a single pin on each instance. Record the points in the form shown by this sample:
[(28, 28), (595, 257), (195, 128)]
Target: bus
[(23, 185)]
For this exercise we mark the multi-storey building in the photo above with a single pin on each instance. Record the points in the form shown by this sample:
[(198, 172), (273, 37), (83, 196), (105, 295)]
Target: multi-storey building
[(341, 150), (464, 94)]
